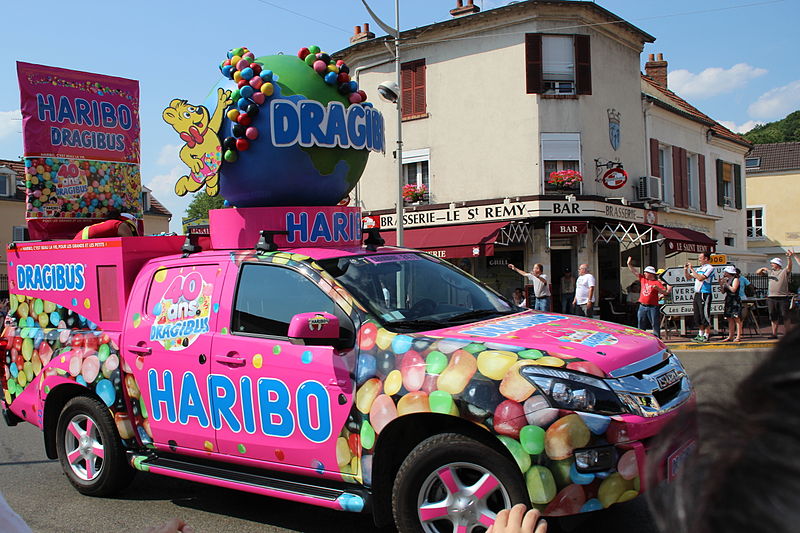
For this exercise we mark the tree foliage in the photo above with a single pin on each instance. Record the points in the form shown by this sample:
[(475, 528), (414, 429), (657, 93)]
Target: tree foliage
[(201, 203), (785, 130)]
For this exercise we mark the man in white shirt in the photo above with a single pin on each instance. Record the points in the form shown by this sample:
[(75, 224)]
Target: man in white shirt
[(541, 287), (584, 292)]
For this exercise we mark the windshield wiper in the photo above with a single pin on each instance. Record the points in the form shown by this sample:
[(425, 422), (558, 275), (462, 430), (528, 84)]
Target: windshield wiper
[(413, 324), (478, 313)]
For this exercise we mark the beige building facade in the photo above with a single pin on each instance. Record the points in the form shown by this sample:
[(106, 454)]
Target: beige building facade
[(12, 213), (773, 192), (495, 101)]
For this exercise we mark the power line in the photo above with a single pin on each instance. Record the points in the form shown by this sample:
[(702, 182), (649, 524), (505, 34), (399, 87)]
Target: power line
[(303, 16)]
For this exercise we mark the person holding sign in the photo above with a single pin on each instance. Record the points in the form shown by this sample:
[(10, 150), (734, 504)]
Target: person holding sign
[(650, 293), (778, 296), (703, 278), (730, 283)]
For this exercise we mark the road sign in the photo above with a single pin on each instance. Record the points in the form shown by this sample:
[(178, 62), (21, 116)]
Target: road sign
[(719, 259), (674, 275), (685, 294), (686, 309)]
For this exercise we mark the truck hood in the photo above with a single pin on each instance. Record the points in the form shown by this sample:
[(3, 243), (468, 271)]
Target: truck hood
[(608, 345)]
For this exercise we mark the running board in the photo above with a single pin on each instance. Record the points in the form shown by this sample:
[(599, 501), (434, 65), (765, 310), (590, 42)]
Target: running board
[(355, 500)]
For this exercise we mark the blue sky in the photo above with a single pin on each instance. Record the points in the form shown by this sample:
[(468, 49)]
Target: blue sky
[(736, 60)]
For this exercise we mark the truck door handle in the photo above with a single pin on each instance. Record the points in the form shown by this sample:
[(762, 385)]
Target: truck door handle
[(230, 359), (141, 350)]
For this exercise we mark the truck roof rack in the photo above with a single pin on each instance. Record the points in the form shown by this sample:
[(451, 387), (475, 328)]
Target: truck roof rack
[(266, 241), (374, 239)]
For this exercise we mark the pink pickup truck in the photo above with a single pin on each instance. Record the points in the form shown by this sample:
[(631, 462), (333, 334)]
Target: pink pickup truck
[(289, 359)]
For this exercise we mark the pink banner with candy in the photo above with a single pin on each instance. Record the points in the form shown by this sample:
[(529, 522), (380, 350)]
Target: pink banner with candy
[(81, 138)]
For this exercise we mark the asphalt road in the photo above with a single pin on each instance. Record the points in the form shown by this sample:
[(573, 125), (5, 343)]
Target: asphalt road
[(36, 488)]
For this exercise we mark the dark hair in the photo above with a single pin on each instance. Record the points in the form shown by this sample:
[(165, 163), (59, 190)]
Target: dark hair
[(706, 255), (744, 475)]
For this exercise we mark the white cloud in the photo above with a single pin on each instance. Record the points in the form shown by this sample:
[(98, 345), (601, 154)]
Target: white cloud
[(168, 155), (776, 103), (712, 81), (741, 128), (10, 123), (163, 187)]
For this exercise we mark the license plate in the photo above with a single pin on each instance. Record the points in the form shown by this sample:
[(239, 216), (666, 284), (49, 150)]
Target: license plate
[(667, 378), (677, 459)]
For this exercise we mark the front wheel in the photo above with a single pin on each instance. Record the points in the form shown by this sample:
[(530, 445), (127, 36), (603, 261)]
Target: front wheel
[(451, 483), (89, 448)]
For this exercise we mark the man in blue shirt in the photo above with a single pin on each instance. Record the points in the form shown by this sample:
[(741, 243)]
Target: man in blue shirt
[(703, 279)]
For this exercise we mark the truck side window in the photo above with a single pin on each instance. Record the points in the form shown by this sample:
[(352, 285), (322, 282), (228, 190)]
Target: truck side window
[(269, 296)]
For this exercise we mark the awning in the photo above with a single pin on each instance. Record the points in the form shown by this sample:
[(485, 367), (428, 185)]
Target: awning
[(678, 240), (464, 240)]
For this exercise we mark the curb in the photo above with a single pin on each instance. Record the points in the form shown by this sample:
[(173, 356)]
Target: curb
[(721, 345)]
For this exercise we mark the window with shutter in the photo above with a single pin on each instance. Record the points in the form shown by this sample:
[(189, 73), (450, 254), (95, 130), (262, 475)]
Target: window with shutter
[(557, 64), (412, 77), (583, 65)]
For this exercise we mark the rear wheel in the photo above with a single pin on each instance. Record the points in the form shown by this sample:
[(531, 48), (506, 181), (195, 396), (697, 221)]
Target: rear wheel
[(89, 448), (451, 483)]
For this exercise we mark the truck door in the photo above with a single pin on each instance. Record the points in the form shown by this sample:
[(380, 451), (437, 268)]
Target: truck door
[(274, 400), (166, 344)]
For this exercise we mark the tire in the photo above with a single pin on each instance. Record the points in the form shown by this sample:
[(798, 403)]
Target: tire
[(421, 501), (89, 448)]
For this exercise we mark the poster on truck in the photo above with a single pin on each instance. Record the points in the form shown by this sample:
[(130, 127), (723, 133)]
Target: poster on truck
[(81, 142)]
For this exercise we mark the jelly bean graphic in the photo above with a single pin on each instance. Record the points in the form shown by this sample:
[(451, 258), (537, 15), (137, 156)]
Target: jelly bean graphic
[(627, 465), (131, 387), (495, 363), (401, 344), (124, 425), (549, 360), (564, 435), (522, 458), (386, 363), (367, 335), (568, 501), (538, 411), (532, 439), (560, 470), (429, 384), (90, 368), (343, 455), (440, 402), (475, 347), (436, 362), (75, 362), (382, 412), (450, 345), (597, 423), (365, 368), (541, 485), (367, 435), (509, 418), (413, 402), (384, 338), (367, 393), (393, 383), (105, 389), (612, 488), (412, 367), (514, 386), (580, 478), (482, 393), (591, 505), (459, 371)]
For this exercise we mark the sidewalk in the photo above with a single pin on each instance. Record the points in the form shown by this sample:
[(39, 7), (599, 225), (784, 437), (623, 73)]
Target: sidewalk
[(751, 338)]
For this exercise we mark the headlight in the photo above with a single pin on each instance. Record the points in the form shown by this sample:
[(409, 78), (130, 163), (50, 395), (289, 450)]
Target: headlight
[(573, 391)]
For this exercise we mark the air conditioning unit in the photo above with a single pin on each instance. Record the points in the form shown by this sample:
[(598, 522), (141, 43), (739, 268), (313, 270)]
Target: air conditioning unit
[(649, 188)]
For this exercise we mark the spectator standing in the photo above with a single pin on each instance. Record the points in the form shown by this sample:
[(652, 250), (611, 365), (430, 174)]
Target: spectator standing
[(541, 287), (584, 292), (567, 291), (733, 302), (649, 294), (703, 278), (743, 284), (778, 296)]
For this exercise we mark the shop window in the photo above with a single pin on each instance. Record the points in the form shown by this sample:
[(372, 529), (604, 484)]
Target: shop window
[(558, 64), (560, 151), (755, 223), (412, 77)]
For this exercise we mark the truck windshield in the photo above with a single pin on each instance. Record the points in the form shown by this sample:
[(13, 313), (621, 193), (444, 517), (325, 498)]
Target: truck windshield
[(413, 292)]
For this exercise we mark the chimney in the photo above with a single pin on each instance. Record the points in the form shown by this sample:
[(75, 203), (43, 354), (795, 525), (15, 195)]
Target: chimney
[(359, 35), (462, 9), (657, 69)]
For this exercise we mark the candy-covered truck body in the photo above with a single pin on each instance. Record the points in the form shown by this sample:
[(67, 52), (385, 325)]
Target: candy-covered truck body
[(314, 368)]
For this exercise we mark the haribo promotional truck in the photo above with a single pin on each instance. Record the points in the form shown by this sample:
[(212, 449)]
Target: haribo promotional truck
[(290, 354)]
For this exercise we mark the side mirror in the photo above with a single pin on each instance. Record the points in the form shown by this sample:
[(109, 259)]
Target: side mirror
[(315, 327)]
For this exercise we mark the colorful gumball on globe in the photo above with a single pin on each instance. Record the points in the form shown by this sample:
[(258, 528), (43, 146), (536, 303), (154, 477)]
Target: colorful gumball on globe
[(297, 132)]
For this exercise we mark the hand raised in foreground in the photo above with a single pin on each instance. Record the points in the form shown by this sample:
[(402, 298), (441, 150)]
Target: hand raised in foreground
[(176, 525), (516, 520)]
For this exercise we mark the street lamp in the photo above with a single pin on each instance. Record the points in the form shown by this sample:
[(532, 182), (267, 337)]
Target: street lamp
[(390, 91)]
